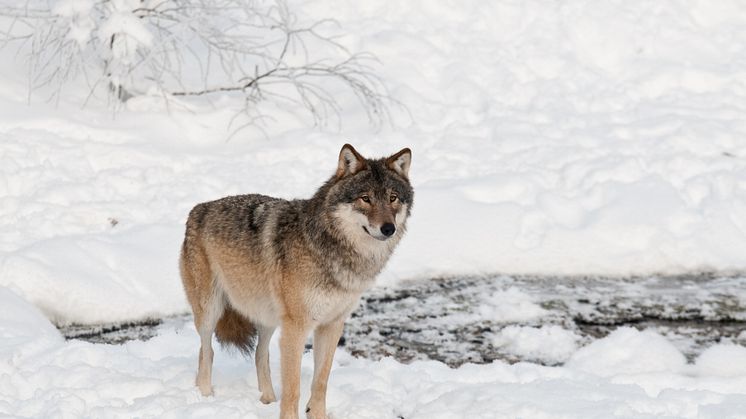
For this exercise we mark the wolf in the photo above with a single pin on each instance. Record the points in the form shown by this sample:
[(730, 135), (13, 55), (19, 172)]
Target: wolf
[(252, 263)]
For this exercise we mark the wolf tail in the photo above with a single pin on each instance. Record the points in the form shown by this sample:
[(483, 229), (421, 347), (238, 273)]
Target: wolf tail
[(235, 329)]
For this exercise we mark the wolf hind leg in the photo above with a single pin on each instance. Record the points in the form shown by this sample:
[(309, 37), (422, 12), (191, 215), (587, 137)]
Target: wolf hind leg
[(212, 311), (261, 359)]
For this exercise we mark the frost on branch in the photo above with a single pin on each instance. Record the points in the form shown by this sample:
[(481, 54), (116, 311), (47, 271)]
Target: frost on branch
[(256, 50)]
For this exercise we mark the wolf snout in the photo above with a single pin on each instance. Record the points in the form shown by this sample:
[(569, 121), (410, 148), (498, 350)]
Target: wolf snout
[(388, 229)]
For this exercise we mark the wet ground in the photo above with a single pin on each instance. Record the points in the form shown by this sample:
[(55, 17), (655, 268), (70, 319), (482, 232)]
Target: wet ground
[(449, 319)]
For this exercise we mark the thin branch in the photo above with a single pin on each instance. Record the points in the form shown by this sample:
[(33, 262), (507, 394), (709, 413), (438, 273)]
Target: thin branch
[(238, 46)]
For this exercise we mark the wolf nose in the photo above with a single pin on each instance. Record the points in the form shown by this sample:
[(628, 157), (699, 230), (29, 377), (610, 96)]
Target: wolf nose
[(388, 229)]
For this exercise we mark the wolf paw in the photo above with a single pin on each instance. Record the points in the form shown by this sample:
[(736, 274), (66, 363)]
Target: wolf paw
[(315, 414), (268, 398)]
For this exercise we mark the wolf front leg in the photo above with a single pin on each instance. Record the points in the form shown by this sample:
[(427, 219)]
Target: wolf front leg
[(325, 340), (292, 340)]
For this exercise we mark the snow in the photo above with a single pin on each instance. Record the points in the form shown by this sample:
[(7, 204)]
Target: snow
[(571, 139), (79, 263), (22, 325), (549, 343), (725, 360), (42, 375), (126, 25), (550, 138), (628, 351), (510, 305), (80, 23)]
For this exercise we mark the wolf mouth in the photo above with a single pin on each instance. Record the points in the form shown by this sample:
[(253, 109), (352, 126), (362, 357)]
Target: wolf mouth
[(374, 236)]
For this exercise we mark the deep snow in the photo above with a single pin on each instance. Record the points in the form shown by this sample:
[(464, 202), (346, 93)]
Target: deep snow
[(562, 138), (548, 138)]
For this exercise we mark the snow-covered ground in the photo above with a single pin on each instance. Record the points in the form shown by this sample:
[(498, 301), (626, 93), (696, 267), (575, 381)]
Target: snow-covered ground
[(548, 138), (629, 374), (562, 138)]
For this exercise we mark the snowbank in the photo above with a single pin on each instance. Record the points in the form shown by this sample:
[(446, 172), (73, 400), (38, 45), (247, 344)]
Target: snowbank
[(43, 376), (628, 351), (723, 360)]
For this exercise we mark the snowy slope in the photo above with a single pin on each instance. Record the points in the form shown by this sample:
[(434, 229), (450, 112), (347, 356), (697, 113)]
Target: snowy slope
[(586, 137), (548, 138)]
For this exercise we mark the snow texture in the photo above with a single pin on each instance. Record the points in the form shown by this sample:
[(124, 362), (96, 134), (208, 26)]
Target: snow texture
[(630, 374), (549, 343), (563, 138), (510, 305), (566, 139), (628, 351), (447, 320)]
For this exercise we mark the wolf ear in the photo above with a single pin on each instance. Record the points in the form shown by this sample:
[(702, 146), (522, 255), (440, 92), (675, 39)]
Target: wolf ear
[(400, 161), (350, 162)]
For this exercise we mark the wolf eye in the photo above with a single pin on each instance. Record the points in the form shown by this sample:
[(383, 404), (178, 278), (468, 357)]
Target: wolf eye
[(365, 198), (393, 197)]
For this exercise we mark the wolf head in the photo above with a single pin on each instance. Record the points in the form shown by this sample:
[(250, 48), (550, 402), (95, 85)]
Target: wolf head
[(372, 198)]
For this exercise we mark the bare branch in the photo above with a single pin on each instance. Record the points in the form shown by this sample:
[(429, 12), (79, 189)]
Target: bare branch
[(235, 46)]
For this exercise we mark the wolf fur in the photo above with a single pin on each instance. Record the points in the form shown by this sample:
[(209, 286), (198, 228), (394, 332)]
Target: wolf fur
[(251, 263)]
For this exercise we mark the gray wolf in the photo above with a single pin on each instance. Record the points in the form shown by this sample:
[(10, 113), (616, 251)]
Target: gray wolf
[(252, 263)]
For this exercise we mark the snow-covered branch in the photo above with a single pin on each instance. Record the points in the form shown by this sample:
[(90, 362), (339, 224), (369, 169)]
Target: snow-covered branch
[(192, 48)]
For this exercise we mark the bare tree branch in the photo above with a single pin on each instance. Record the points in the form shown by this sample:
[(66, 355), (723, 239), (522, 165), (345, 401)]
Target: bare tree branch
[(235, 47)]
